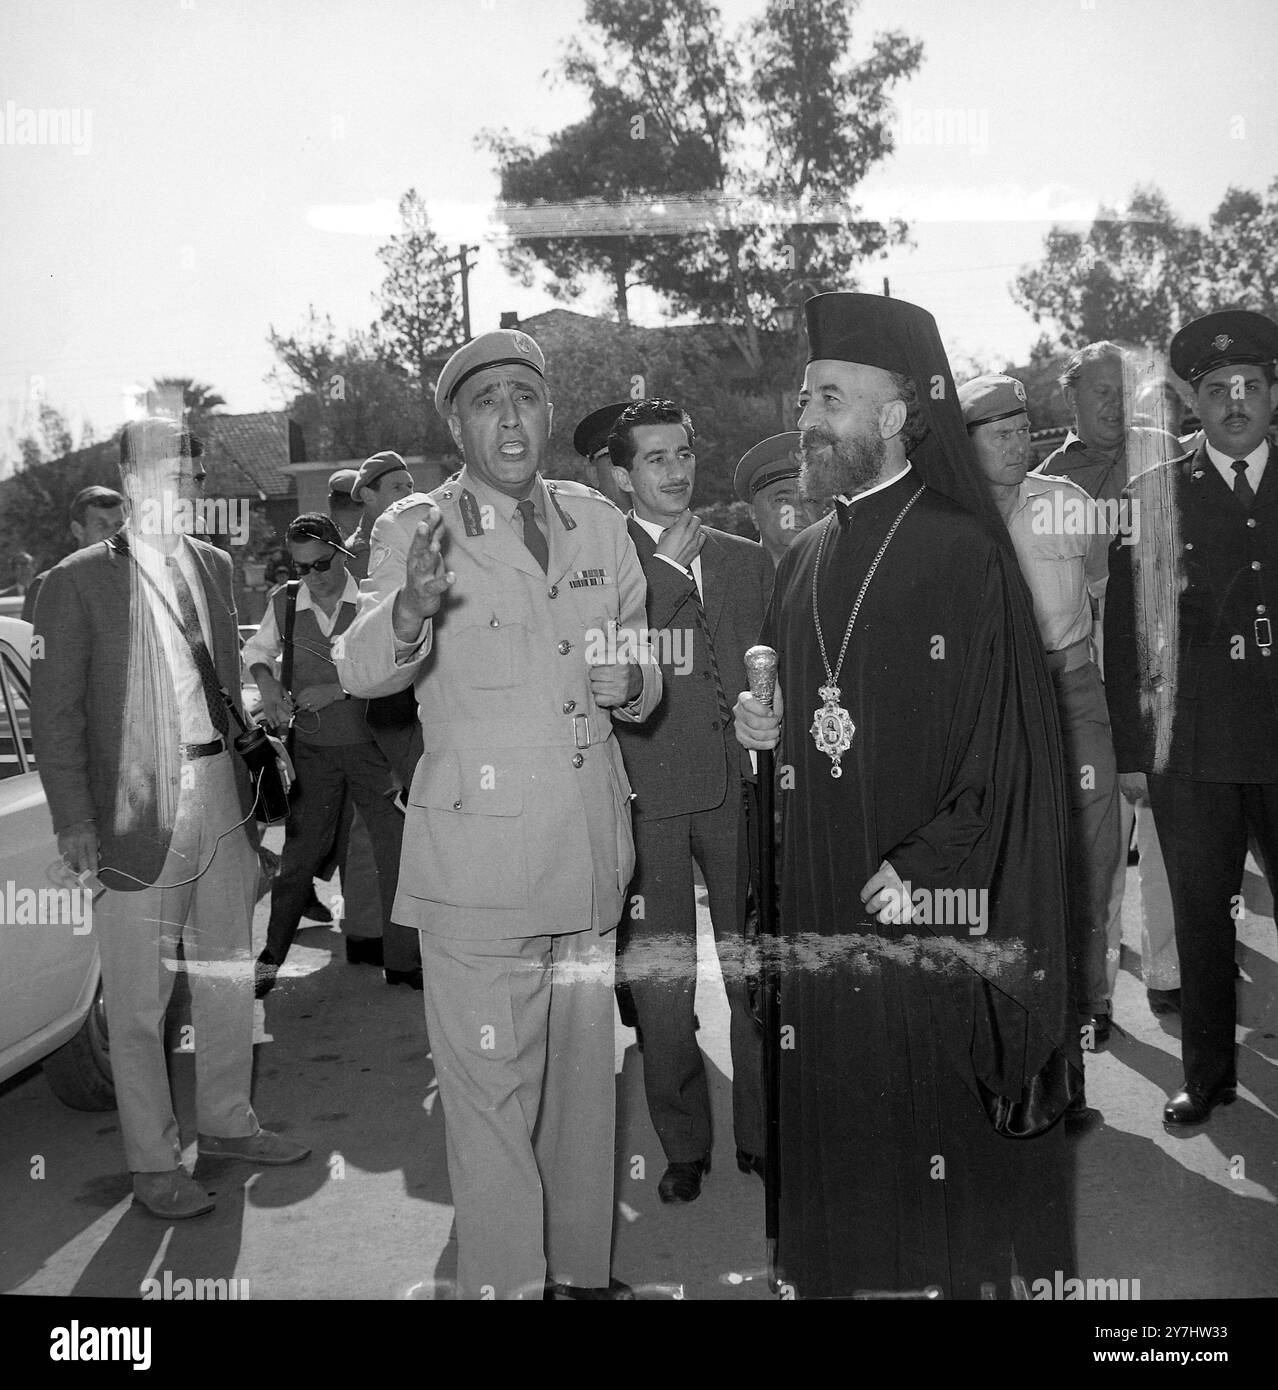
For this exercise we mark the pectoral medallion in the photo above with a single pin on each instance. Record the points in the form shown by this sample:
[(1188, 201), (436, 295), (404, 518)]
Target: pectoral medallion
[(832, 728)]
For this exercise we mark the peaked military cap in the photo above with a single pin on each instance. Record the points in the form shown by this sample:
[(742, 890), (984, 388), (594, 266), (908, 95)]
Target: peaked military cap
[(591, 435), (991, 397), (767, 462), (1221, 340), (501, 348)]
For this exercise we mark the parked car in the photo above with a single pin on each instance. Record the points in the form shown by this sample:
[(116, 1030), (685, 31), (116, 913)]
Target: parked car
[(50, 978)]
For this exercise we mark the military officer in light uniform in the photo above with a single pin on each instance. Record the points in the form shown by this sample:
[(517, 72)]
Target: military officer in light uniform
[(515, 607)]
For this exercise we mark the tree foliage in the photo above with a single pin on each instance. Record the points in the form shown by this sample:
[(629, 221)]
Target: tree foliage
[(420, 315), (773, 128), (1138, 275)]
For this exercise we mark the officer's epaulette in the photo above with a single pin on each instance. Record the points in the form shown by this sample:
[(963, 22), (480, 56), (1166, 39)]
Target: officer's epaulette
[(414, 499), (568, 487)]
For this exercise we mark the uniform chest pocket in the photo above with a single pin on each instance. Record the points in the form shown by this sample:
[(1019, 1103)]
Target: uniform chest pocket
[(486, 656)]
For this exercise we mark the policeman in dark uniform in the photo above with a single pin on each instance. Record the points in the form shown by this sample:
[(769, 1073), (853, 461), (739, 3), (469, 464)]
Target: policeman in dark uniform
[(590, 440), (1192, 674)]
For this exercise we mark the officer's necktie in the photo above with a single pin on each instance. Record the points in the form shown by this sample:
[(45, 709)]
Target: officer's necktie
[(534, 537), (1242, 488), (195, 640)]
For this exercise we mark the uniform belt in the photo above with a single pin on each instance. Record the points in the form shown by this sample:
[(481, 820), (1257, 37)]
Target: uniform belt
[(191, 751), (1069, 658), (577, 731)]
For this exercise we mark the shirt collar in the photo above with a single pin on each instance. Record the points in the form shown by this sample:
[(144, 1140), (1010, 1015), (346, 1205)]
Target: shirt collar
[(502, 502), (350, 594), (655, 531), (1225, 462)]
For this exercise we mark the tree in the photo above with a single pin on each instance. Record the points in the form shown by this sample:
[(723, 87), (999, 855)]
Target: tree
[(1137, 276), (771, 131), (194, 401), (347, 396)]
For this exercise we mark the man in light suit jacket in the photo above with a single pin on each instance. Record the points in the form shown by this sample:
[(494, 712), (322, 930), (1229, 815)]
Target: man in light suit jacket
[(707, 594), (514, 606), (132, 740)]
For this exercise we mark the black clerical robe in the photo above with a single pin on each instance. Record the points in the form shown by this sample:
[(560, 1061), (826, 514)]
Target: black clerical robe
[(892, 1175)]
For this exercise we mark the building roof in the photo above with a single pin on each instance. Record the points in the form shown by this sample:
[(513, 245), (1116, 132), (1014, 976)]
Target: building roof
[(246, 455)]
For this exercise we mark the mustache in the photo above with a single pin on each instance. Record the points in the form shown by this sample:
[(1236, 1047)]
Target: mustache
[(815, 435)]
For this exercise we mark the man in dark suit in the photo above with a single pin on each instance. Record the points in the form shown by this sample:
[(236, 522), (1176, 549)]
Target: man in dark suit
[(132, 738), (707, 593), (1192, 674)]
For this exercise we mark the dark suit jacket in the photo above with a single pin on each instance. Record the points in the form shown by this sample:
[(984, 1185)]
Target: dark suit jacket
[(29, 598), (1225, 721), (678, 760), (79, 689)]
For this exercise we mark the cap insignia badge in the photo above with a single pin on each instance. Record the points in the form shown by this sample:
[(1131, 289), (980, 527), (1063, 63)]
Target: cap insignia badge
[(1222, 341)]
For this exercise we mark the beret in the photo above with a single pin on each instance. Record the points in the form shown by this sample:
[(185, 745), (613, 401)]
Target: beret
[(767, 462), (343, 480), (1220, 340), (387, 461), (503, 347), (992, 397)]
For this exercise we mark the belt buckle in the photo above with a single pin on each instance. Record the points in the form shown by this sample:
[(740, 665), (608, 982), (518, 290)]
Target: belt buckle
[(581, 730), (1264, 625)]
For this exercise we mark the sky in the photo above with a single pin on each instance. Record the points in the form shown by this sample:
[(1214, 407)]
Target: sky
[(227, 163)]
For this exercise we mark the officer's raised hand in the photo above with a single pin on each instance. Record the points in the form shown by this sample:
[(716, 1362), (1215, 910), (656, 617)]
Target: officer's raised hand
[(425, 578)]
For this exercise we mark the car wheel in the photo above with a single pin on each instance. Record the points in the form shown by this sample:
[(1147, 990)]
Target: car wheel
[(79, 1071)]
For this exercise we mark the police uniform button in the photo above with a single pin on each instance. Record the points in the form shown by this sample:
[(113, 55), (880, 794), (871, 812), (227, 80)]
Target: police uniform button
[(554, 588), (578, 759), (565, 647), (569, 706), (492, 622), (456, 805)]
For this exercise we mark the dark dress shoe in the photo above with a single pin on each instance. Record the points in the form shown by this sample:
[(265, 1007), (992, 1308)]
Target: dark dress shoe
[(265, 970), (681, 1182), (750, 1163), (1163, 1001), (363, 950), (616, 1292), (314, 910), (411, 978), (1193, 1105), (1099, 1024)]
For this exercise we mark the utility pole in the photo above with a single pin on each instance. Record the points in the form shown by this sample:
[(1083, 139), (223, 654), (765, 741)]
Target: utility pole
[(887, 289), (464, 267)]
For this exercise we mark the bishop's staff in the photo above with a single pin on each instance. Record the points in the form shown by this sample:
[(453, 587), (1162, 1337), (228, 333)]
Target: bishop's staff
[(761, 674)]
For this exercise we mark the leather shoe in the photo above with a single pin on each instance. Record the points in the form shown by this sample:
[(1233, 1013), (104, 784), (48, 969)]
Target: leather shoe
[(1193, 1105), (265, 972), (681, 1182), (363, 950), (172, 1196), (412, 978), (1099, 1025), (1163, 1001), (262, 1147), (750, 1163), (314, 910), (616, 1292)]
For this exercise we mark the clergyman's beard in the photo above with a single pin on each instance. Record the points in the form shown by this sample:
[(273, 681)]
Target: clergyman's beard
[(847, 467)]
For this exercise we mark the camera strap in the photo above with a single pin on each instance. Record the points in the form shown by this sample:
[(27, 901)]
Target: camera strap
[(121, 545)]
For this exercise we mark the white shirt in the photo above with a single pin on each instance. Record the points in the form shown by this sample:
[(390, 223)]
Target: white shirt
[(656, 532), (266, 644), (1255, 464), (193, 710)]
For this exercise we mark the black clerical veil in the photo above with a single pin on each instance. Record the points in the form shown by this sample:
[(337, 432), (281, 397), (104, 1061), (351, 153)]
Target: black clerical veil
[(1007, 1021)]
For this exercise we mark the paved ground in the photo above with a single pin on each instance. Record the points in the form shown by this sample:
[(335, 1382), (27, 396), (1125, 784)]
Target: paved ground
[(344, 1063)]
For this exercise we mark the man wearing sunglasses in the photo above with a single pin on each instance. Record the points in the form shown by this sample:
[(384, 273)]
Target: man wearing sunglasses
[(333, 751)]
